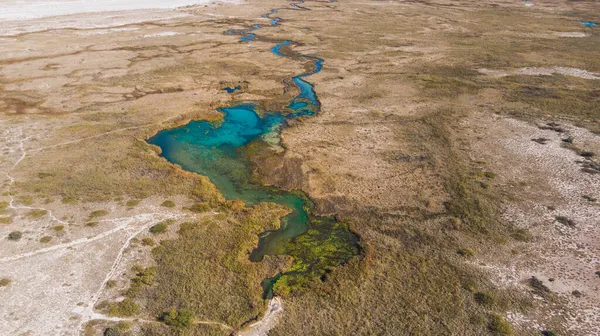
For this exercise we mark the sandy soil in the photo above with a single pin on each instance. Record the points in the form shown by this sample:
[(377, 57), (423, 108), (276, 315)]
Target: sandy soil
[(550, 183)]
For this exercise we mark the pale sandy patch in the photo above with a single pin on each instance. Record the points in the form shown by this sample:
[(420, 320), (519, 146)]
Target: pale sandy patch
[(574, 72)]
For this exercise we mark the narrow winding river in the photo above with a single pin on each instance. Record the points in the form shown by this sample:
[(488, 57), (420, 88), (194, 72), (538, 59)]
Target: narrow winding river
[(219, 150)]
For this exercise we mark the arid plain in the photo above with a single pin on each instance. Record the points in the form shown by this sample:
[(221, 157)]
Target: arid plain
[(458, 139)]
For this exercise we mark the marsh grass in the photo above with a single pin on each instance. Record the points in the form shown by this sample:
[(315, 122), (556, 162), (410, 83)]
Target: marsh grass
[(98, 213), (36, 213), (119, 166), (206, 268), (499, 326), (410, 278), (132, 203), (125, 308)]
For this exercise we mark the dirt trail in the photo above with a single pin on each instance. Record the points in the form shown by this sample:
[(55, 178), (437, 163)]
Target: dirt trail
[(126, 222), (87, 314), (262, 327)]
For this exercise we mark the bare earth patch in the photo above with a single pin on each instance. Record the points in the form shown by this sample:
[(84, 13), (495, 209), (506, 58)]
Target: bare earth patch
[(557, 202)]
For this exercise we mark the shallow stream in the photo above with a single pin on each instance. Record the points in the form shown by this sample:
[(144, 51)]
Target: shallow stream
[(219, 150)]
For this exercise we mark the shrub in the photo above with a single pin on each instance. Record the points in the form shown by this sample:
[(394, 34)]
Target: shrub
[(111, 332), (124, 308), (466, 252), (132, 203), (549, 333), (499, 326), (45, 239), (143, 277), (539, 287), (159, 228), (111, 283), (59, 228), (6, 220), (69, 200), (200, 207), (178, 319), (25, 199), (91, 224), (98, 213), (522, 235), (5, 282), (148, 242), (566, 221), (485, 299), (124, 325), (168, 204), (36, 213), (15, 235)]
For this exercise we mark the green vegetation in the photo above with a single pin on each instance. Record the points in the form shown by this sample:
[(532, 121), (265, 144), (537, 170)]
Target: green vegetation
[(125, 308), (207, 264), (45, 239), (485, 299), (36, 213), (98, 213), (25, 199), (161, 227), (5, 282), (148, 241), (143, 277), (446, 81), (522, 235), (15, 235), (178, 319), (316, 253), (549, 333), (168, 204), (466, 252), (199, 207), (132, 203), (565, 221), (69, 200), (538, 287), (408, 277), (91, 224), (112, 332), (58, 228), (499, 326), (6, 220), (123, 166)]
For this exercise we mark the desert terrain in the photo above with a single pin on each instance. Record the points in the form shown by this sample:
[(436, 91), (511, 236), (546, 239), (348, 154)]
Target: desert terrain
[(458, 140)]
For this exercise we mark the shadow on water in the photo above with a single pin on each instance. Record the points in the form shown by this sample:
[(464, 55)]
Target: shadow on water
[(219, 150)]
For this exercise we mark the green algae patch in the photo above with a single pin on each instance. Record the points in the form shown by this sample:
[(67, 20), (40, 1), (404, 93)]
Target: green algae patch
[(326, 245)]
